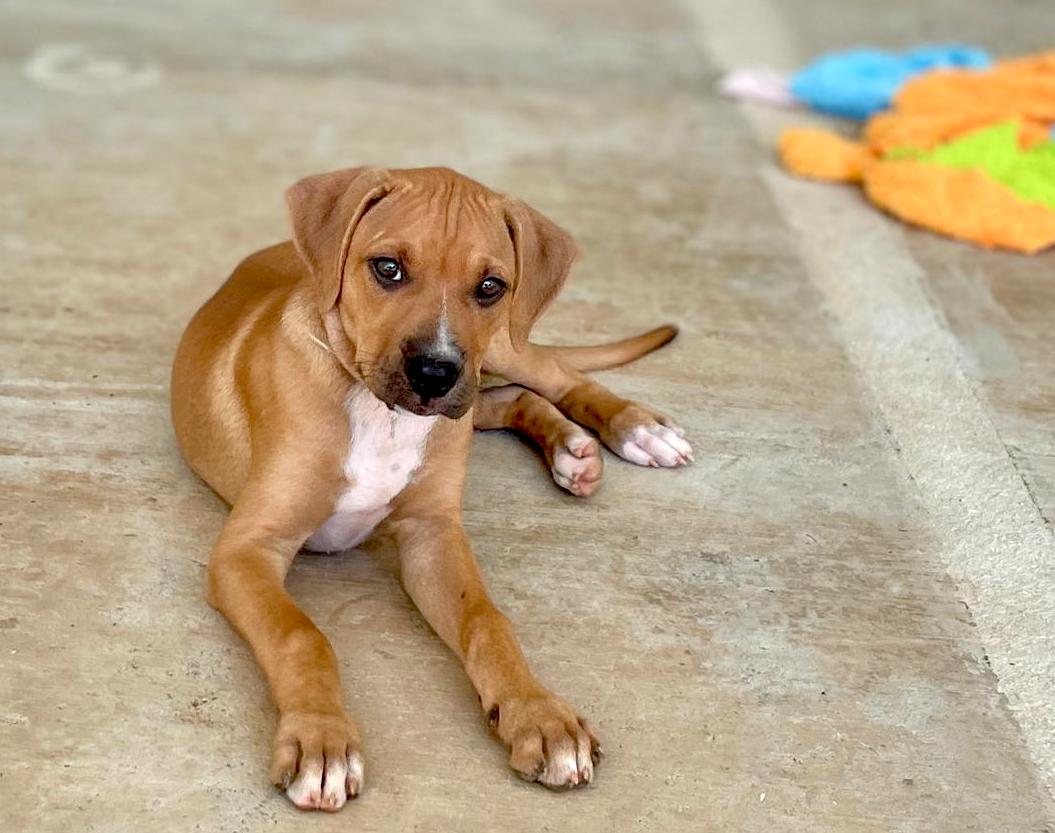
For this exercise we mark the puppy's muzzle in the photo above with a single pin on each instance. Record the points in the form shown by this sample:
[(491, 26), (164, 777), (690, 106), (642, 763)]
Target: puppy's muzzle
[(432, 376)]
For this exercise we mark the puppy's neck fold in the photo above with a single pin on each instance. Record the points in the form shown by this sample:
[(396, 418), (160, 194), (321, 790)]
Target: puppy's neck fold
[(339, 342)]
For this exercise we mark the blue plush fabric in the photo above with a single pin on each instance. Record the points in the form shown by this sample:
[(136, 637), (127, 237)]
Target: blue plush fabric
[(860, 82)]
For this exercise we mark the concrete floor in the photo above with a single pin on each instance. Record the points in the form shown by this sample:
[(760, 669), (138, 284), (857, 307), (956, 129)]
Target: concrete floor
[(840, 619)]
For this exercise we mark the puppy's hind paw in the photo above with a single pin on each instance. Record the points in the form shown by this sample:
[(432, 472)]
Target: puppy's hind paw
[(576, 464), (647, 439)]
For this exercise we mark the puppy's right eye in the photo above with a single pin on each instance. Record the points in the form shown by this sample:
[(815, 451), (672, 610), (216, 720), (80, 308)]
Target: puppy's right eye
[(387, 271)]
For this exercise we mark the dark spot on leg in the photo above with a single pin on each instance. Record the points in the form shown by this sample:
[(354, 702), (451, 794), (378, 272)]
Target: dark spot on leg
[(493, 716)]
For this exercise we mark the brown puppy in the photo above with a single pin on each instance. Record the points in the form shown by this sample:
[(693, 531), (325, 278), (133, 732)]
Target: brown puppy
[(329, 385)]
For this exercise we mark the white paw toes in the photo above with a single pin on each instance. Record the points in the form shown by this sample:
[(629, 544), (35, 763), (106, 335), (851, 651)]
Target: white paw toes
[(354, 781), (577, 465), (335, 787), (549, 743), (656, 445), (316, 761), (306, 789), (563, 768), (328, 787)]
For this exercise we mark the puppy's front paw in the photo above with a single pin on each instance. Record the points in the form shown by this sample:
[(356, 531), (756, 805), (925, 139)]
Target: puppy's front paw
[(576, 463), (317, 761), (647, 438), (549, 743)]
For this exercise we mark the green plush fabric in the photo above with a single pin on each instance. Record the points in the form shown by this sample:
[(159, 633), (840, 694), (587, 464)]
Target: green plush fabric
[(1028, 173)]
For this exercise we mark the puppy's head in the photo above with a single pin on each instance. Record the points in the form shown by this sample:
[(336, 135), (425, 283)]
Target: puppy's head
[(421, 268)]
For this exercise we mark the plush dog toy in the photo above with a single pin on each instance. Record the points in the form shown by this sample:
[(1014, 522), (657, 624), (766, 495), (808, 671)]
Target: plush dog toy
[(963, 152)]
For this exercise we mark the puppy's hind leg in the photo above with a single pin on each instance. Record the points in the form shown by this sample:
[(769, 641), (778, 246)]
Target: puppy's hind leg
[(574, 457), (633, 431)]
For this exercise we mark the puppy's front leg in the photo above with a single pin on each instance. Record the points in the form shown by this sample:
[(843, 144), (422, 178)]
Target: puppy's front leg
[(549, 742), (316, 757)]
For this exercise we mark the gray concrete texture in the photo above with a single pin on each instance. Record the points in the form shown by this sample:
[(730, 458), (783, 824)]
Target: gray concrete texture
[(839, 619)]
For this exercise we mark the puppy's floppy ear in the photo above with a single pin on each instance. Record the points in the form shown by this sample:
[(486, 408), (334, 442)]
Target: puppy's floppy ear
[(324, 210), (544, 255)]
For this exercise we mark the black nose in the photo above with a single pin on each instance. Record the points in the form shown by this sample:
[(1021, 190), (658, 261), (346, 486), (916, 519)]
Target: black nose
[(431, 377)]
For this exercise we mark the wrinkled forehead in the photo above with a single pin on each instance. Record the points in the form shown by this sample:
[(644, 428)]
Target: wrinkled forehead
[(449, 223)]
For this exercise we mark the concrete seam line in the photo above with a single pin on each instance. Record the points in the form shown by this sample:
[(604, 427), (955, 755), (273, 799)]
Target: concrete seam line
[(996, 543)]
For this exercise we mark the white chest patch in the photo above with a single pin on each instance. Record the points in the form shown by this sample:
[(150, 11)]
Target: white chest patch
[(385, 450)]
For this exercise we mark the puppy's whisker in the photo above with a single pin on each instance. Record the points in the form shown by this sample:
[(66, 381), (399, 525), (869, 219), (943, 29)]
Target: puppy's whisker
[(320, 342)]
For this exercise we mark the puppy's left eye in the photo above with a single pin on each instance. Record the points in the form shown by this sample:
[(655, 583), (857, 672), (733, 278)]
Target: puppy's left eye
[(387, 271), (490, 290)]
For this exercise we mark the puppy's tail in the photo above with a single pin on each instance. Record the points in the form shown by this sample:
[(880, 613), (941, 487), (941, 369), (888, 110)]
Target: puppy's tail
[(604, 356)]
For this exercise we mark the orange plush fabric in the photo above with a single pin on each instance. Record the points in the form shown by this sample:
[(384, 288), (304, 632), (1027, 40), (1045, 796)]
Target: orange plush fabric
[(942, 105), (966, 204), (820, 154), (931, 110)]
